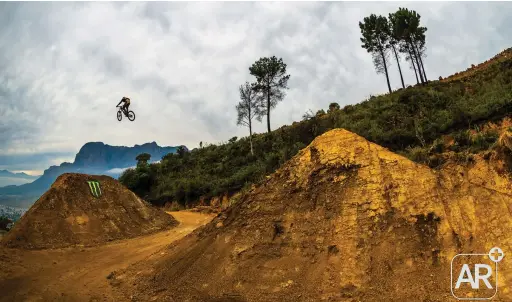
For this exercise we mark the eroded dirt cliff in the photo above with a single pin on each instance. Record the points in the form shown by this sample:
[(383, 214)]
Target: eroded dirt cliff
[(344, 220)]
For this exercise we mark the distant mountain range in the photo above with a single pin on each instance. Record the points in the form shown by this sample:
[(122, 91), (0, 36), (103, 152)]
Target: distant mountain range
[(5, 173), (93, 158), (9, 178)]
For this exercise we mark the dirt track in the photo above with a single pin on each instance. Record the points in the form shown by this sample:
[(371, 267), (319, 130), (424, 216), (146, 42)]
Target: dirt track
[(80, 274)]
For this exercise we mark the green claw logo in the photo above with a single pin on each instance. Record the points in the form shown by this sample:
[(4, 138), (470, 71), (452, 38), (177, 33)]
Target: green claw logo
[(95, 188)]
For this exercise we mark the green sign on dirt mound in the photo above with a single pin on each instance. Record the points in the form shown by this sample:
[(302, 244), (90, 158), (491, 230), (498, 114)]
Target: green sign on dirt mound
[(87, 210), (95, 188)]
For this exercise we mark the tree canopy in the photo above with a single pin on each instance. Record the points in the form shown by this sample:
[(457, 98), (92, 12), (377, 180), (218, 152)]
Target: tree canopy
[(407, 29), (271, 81), (401, 33), (333, 107), (142, 159)]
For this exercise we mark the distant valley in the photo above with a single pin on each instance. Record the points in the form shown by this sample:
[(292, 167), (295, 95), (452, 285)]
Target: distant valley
[(93, 158), (9, 178)]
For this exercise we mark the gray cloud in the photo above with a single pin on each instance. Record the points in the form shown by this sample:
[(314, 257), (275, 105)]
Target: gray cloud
[(64, 66)]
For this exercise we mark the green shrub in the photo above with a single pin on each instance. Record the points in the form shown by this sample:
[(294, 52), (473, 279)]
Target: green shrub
[(464, 157), (437, 146), (333, 107), (483, 140), (418, 154)]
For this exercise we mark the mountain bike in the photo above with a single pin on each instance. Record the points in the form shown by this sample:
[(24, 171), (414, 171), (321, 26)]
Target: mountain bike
[(129, 114)]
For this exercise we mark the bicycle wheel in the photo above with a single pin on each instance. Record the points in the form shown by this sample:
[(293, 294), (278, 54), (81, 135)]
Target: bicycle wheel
[(119, 115), (131, 115)]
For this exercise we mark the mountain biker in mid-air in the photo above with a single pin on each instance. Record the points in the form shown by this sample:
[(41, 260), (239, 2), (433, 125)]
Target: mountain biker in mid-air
[(126, 104)]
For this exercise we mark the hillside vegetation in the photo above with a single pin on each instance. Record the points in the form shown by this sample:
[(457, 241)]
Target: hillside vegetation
[(407, 121)]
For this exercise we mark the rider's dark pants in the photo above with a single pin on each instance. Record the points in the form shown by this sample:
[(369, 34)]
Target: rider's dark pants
[(125, 107)]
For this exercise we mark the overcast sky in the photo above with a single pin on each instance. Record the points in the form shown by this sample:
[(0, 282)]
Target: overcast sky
[(64, 66)]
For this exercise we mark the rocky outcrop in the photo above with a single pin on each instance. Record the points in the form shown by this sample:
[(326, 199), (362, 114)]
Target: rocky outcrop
[(98, 154)]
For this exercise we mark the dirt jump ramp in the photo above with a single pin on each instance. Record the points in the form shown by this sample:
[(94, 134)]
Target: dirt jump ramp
[(344, 220), (85, 210)]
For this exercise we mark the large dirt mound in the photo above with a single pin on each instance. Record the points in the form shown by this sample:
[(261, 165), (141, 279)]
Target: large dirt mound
[(76, 212), (344, 220)]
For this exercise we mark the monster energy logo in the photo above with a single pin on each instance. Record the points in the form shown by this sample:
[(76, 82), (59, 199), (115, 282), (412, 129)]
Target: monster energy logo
[(95, 188)]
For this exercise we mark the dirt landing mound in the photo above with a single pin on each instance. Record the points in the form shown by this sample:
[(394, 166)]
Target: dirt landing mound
[(344, 220), (86, 210)]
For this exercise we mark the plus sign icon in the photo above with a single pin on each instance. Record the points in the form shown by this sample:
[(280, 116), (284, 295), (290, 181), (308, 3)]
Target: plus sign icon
[(475, 276)]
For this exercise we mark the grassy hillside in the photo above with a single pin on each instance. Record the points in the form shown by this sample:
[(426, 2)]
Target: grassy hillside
[(409, 121)]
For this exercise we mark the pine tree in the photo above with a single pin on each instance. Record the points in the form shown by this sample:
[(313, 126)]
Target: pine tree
[(394, 41), (271, 81), (375, 39), (407, 29)]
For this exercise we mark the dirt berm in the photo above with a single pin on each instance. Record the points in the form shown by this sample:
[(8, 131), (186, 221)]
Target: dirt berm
[(75, 212), (344, 220)]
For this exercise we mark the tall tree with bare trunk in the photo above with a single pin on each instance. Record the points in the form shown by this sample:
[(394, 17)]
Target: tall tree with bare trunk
[(247, 108), (375, 39), (407, 29), (394, 41)]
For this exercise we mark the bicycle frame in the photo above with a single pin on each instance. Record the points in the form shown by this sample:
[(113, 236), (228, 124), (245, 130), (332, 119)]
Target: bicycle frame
[(123, 110)]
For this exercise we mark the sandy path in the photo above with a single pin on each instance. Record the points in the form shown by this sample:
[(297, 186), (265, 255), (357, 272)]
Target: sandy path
[(80, 274)]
